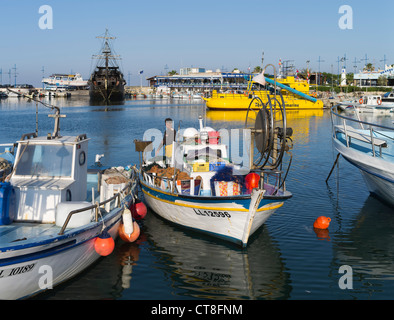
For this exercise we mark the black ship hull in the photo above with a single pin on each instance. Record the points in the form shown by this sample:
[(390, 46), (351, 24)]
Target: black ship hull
[(111, 93), (107, 85)]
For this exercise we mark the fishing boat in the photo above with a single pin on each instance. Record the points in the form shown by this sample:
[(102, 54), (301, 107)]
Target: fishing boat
[(368, 103), (295, 93), (200, 187), (369, 147), (55, 222), (107, 82)]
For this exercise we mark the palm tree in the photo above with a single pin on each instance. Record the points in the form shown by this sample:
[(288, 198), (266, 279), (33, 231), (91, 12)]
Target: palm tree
[(369, 67), (257, 69)]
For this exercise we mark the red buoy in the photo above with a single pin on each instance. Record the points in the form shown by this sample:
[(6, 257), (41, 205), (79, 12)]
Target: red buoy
[(138, 210), (104, 244), (322, 222), (129, 237), (252, 180)]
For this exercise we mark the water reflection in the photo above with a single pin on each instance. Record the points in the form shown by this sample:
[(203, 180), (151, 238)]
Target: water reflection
[(200, 268), (366, 244)]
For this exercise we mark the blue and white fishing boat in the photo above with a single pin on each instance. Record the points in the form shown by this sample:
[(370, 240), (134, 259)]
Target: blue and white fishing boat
[(199, 186), (370, 148), (52, 212)]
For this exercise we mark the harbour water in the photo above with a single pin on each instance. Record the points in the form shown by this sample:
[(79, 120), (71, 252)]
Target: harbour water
[(285, 260)]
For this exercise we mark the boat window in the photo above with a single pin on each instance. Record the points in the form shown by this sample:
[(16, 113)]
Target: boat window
[(45, 161)]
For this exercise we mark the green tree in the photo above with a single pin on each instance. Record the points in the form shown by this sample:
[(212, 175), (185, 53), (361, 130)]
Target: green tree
[(382, 81), (257, 69), (369, 67), (172, 73)]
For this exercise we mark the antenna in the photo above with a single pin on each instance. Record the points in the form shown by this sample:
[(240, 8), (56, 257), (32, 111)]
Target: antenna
[(42, 70), (129, 74), (355, 64), (365, 59), (319, 67), (344, 60), (384, 60), (14, 68)]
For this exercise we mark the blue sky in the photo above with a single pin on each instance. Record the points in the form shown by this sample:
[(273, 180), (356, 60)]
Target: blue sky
[(211, 34)]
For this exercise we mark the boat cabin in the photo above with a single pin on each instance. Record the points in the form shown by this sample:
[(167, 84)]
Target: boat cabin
[(48, 171), (371, 100)]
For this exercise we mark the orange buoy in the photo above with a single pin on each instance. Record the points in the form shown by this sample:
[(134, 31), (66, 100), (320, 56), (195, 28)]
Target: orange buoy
[(252, 180), (104, 244), (322, 222), (129, 237), (138, 210)]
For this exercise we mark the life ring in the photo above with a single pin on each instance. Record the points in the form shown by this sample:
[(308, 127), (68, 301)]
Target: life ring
[(379, 101), (360, 101)]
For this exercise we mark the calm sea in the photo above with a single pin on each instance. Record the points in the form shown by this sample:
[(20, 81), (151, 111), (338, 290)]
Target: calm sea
[(285, 259)]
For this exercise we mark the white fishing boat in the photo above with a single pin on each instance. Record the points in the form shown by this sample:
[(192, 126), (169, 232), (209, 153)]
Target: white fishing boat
[(66, 81), (369, 103), (200, 187), (370, 148), (53, 215)]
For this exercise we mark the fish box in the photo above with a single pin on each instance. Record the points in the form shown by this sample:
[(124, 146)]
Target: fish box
[(7, 203), (201, 167), (213, 137), (215, 166)]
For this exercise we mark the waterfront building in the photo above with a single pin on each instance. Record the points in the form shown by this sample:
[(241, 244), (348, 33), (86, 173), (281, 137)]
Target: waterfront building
[(371, 78), (193, 80)]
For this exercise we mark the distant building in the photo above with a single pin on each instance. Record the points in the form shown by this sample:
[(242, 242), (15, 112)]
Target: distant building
[(192, 79), (370, 78)]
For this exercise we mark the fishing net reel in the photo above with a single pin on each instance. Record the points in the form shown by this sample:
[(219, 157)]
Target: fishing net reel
[(270, 135)]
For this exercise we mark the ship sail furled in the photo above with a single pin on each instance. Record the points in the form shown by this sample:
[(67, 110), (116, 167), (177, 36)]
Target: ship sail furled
[(106, 83)]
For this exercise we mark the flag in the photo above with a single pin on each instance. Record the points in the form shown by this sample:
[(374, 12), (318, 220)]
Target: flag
[(141, 71), (260, 78)]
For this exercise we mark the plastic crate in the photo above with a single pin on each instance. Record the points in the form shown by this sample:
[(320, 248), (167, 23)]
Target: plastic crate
[(201, 167), (215, 166)]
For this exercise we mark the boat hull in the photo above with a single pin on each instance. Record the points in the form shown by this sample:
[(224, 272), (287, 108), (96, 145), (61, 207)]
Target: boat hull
[(377, 173), (98, 93), (30, 269), (242, 102), (228, 218)]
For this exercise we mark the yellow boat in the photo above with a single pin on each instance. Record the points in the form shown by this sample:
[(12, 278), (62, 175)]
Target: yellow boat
[(295, 94)]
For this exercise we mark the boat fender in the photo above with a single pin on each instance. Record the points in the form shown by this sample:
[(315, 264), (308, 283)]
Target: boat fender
[(138, 210), (104, 244), (133, 236), (127, 221), (379, 101), (360, 101)]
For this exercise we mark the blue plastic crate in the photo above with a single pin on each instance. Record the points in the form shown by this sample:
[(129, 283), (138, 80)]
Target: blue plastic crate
[(215, 166)]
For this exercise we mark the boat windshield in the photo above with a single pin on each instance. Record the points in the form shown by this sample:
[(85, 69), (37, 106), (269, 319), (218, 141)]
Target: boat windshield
[(45, 161)]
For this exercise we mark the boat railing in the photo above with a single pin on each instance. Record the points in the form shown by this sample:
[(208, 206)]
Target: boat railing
[(129, 187), (369, 133)]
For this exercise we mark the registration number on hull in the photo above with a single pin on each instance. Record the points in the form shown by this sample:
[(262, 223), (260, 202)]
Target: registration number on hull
[(210, 213)]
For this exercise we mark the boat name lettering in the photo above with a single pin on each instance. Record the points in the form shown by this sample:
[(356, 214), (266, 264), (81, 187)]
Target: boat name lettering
[(209, 213), (16, 270)]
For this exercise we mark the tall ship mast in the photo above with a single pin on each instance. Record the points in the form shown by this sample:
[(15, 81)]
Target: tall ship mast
[(106, 83)]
